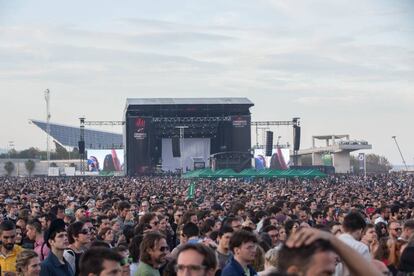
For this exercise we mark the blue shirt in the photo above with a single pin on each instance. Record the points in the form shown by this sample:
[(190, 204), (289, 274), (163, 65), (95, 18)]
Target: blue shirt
[(51, 266), (233, 268)]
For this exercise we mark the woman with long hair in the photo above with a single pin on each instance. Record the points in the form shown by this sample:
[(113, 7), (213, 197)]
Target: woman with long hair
[(28, 263)]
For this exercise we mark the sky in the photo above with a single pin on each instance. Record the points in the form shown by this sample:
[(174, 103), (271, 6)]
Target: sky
[(343, 66)]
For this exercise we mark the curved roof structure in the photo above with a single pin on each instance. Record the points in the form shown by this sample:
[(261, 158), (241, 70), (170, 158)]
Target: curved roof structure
[(69, 136)]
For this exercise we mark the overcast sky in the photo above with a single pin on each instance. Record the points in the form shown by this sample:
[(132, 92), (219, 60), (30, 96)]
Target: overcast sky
[(343, 66)]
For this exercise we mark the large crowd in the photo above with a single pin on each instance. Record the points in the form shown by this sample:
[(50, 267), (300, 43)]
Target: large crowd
[(150, 226)]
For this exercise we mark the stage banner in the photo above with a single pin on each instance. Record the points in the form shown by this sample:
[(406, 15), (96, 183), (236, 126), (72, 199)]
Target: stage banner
[(241, 140), (138, 145)]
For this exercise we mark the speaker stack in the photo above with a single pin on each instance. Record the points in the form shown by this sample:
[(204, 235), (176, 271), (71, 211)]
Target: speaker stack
[(269, 143), (176, 147)]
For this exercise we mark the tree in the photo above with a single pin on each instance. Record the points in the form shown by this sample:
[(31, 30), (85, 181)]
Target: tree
[(9, 167), (375, 164), (30, 165)]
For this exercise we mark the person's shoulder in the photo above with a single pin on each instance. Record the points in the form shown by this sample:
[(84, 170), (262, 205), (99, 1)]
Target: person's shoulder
[(17, 249)]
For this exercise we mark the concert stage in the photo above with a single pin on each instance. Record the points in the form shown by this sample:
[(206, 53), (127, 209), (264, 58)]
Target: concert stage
[(171, 133)]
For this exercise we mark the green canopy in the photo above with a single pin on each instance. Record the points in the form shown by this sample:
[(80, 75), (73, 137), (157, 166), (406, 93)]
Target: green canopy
[(266, 173)]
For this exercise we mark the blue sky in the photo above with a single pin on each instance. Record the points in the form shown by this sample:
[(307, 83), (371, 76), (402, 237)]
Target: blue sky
[(344, 67)]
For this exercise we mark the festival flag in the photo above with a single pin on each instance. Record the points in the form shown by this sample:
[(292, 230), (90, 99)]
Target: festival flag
[(191, 190)]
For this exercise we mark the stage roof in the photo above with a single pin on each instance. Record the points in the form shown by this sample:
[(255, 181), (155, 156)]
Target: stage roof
[(187, 101), (69, 136)]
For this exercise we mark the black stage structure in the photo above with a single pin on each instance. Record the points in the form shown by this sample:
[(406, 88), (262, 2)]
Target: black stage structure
[(226, 122)]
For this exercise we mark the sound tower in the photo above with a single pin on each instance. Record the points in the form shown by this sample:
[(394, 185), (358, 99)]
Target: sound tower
[(269, 143), (296, 138), (81, 146), (176, 147)]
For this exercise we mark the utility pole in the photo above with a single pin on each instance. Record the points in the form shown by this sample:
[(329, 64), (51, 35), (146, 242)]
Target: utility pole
[(398, 147), (47, 98)]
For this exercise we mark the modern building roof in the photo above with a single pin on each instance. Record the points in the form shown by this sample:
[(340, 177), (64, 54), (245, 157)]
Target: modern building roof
[(69, 136)]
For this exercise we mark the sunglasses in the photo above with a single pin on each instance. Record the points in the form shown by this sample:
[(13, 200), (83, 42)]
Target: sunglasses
[(126, 261)]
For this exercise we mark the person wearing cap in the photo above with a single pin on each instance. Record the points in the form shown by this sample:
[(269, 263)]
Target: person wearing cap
[(57, 240), (8, 249)]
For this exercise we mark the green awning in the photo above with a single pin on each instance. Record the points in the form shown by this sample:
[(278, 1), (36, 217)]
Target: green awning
[(266, 173)]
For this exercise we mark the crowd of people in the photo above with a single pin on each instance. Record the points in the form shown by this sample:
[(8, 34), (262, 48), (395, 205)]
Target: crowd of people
[(150, 226)]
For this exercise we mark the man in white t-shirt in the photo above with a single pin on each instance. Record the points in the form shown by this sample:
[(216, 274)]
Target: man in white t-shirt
[(353, 226)]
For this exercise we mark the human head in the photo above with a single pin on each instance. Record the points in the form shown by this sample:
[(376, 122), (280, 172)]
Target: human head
[(273, 232), (291, 226), (394, 229), (271, 258), (36, 209), (104, 221), (27, 263), (106, 234), (408, 229), (153, 249), (78, 232), (243, 245), (56, 236), (7, 234), (100, 261), (224, 236), (80, 214), (317, 217), (318, 258), (134, 248), (58, 211), (385, 212), (197, 259), (234, 222), (369, 234), (336, 228), (381, 267), (151, 219), (190, 230), (178, 216), (33, 228), (123, 208), (354, 224)]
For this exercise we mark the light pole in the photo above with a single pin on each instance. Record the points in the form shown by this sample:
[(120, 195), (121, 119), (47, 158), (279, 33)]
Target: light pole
[(47, 98), (10, 146), (181, 128), (398, 147)]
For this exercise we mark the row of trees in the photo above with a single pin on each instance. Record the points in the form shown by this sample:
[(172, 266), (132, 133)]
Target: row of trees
[(60, 153), (375, 164), (29, 165)]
